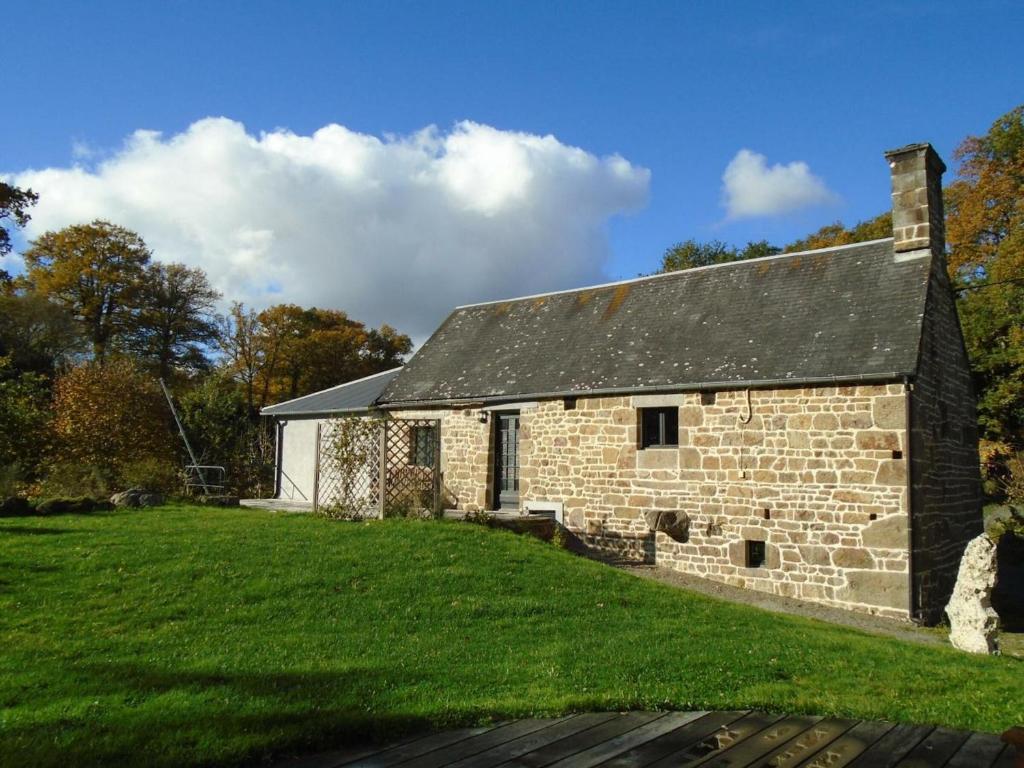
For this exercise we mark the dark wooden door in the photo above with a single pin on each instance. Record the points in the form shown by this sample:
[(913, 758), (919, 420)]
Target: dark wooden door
[(506, 461)]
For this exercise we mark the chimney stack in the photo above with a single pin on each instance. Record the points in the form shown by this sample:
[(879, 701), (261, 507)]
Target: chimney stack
[(917, 217)]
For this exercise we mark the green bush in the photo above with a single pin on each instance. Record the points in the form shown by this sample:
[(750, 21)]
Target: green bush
[(69, 480), (153, 475)]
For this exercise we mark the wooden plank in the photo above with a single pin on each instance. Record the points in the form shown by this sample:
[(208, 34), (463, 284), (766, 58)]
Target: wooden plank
[(477, 744), (420, 746), (807, 744), (645, 733), (760, 744), (935, 750), (1007, 758), (841, 752), (719, 741), (577, 743), (891, 748), (979, 751), (533, 741), (673, 741), (339, 757)]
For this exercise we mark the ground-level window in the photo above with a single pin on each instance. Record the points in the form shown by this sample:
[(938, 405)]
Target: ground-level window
[(659, 427), (755, 554), (422, 446)]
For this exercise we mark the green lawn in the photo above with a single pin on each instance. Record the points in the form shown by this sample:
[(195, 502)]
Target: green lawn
[(188, 636)]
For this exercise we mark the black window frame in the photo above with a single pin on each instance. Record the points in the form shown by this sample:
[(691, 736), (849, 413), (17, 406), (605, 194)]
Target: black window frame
[(419, 450), (665, 429)]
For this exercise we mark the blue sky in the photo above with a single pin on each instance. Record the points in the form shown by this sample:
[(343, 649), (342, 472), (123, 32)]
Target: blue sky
[(675, 88)]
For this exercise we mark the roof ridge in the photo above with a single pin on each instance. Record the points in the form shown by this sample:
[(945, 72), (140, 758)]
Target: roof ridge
[(331, 389), (631, 280)]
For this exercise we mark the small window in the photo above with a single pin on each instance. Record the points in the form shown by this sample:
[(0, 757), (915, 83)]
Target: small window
[(755, 554), (569, 403), (659, 427), (707, 398), (422, 446)]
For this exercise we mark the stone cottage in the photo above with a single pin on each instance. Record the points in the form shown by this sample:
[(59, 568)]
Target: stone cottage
[(809, 415)]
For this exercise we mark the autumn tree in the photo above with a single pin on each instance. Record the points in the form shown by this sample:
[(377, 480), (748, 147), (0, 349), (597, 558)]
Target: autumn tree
[(173, 324), (95, 271), (111, 422), (836, 234), (692, 253), (14, 205), (985, 234), (287, 351)]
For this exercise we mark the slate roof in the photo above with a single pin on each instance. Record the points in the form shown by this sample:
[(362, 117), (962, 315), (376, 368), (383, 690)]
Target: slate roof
[(351, 397), (845, 313)]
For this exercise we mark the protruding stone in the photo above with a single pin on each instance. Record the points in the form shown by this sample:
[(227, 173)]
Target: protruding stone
[(673, 523), (973, 623)]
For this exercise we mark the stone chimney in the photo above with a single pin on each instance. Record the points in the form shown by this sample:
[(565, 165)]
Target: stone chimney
[(917, 216)]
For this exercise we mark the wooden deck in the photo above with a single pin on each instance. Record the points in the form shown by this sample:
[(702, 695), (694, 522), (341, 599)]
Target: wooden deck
[(662, 739)]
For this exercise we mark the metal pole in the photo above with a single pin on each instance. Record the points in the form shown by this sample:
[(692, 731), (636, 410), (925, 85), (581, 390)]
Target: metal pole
[(181, 430)]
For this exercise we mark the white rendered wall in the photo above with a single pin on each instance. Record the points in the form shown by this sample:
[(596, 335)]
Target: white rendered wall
[(298, 458)]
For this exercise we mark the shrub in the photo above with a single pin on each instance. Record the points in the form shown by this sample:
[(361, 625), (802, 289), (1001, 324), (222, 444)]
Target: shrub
[(153, 475), (108, 418), (70, 480)]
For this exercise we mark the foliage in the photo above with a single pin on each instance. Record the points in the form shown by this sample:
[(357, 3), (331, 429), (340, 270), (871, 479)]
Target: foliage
[(110, 417), (173, 325), (36, 335), (153, 474), (1012, 524), (223, 433), (95, 271), (353, 458), (24, 425), (691, 253), (836, 234), (14, 205), (287, 351), (985, 232), (225, 637)]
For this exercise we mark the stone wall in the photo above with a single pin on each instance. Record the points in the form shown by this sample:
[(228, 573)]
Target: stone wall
[(947, 498), (812, 473)]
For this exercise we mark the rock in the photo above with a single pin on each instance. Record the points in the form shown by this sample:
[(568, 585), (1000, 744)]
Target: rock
[(673, 523), (136, 497), (973, 622)]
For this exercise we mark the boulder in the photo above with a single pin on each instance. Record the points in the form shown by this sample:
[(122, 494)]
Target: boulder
[(672, 522), (136, 497), (973, 622)]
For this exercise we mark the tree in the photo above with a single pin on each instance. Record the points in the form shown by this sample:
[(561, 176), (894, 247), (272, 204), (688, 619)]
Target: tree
[(287, 351), (36, 334), (836, 234), (985, 233), (24, 424), (174, 323), (108, 421), (96, 272), (14, 205), (691, 253)]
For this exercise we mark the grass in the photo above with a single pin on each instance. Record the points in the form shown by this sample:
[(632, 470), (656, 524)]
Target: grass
[(189, 636)]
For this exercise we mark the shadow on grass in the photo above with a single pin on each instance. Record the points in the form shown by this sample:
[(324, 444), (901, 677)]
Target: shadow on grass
[(25, 530), (261, 716)]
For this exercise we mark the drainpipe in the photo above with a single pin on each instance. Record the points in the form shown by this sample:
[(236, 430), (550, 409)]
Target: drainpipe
[(912, 606)]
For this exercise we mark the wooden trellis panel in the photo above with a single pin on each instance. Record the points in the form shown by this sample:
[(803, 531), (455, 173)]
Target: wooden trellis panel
[(378, 468)]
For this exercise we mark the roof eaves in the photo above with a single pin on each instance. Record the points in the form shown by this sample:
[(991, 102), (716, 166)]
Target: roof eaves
[(709, 386)]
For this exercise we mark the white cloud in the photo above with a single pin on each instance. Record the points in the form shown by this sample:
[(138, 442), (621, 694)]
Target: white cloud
[(395, 230), (751, 188)]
